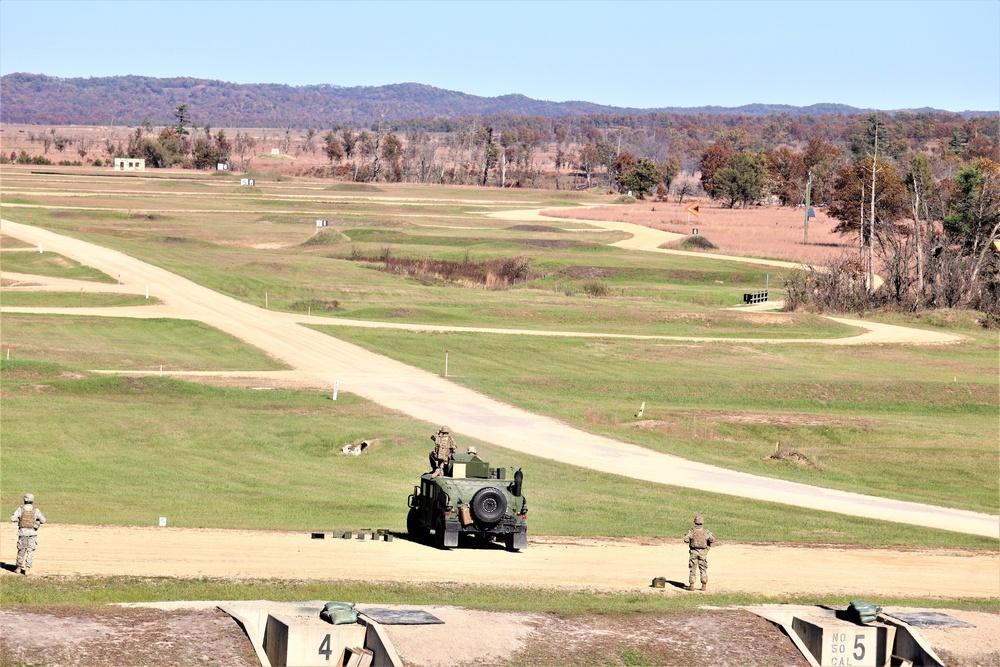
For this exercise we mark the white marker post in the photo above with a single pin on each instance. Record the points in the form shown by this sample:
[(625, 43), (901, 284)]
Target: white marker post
[(642, 408), (446, 363), (39, 248), (161, 367), (163, 522), (265, 297), (8, 351), (336, 386), (147, 291)]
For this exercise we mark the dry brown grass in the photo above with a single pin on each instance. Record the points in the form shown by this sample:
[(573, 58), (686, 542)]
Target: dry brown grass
[(762, 231)]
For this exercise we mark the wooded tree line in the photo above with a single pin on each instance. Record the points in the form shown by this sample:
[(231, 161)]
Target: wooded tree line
[(603, 150), (927, 219), (916, 191)]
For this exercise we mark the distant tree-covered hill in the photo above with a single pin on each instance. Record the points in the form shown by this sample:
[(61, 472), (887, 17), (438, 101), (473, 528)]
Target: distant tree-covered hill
[(129, 100)]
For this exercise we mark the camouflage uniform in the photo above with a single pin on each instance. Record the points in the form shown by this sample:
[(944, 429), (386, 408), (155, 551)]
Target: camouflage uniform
[(699, 540), (443, 449), (28, 519)]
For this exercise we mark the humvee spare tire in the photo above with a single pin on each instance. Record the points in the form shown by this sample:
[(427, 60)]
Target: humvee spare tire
[(488, 505)]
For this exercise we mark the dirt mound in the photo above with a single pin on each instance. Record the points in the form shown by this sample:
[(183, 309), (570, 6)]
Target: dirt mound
[(698, 242), (104, 636)]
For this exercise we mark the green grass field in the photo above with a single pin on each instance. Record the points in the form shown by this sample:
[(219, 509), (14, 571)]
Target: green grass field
[(234, 458), (128, 344), (886, 420), (81, 299), (883, 420), (105, 590), (52, 265)]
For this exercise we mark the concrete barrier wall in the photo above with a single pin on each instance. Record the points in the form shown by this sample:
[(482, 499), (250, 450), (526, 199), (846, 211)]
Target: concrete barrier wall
[(376, 640), (291, 642), (910, 645)]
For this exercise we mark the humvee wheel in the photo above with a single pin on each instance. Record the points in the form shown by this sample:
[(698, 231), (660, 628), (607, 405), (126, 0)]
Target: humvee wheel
[(414, 530)]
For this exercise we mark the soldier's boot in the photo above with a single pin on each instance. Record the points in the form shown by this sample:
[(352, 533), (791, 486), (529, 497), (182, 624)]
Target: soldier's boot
[(18, 569), (704, 586), (689, 587)]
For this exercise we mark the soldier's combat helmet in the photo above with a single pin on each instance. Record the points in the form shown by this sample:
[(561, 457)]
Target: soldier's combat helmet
[(445, 429), (699, 520), (471, 451), (29, 499)]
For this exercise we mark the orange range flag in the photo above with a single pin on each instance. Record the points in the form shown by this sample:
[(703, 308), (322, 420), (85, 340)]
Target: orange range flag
[(693, 208)]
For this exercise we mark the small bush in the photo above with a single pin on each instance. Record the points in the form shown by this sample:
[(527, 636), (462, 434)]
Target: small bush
[(624, 199), (98, 163), (24, 158), (596, 288)]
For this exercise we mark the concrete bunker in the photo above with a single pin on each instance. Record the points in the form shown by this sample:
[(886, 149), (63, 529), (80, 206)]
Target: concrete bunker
[(829, 637), (284, 634)]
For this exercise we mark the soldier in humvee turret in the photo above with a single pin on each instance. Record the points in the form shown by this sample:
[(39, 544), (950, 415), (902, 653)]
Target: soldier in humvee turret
[(444, 447)]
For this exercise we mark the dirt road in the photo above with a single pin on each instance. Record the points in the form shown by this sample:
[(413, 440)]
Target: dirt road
[(318, 358), (549, 561)]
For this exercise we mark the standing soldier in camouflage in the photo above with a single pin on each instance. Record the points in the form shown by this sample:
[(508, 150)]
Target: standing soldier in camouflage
[(28, 518), (444, 447), (699, 540)]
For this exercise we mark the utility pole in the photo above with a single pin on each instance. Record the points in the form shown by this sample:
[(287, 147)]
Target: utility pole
[(805, 225), (871, 235)]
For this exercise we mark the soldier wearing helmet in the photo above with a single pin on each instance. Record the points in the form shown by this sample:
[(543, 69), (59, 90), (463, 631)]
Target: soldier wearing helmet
[(472, 451), (444, 447), (28, 519), (699, 540)]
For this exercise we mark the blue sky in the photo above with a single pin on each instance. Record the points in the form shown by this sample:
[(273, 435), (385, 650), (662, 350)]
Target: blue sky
[(884, 55)]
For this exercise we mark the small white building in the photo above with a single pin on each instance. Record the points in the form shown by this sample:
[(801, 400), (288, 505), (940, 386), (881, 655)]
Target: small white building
[(130, 164)]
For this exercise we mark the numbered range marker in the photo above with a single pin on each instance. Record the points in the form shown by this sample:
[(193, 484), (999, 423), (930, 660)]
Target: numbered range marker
[(833, 642)]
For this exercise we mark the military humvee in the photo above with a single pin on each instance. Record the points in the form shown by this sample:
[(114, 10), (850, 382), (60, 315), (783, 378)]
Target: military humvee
[(472, 499)]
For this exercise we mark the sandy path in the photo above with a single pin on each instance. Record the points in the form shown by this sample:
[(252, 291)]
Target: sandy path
[(422, 395), (558, 562), (642, 238)]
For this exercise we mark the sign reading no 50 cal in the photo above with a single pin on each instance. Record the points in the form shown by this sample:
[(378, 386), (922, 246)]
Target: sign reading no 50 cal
[(854, 646)]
